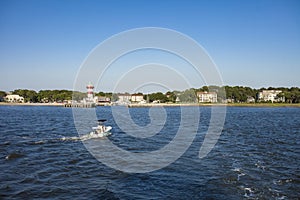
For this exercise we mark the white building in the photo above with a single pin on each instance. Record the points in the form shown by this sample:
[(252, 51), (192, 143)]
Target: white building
[(124, 98), (14, 98), (250, 100), (270, 95), (137, 98), (207, 97)]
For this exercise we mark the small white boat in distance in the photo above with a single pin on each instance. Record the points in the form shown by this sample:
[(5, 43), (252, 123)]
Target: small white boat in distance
[(101, 130)]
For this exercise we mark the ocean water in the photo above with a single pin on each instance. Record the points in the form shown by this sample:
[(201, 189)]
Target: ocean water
[(256, 157)]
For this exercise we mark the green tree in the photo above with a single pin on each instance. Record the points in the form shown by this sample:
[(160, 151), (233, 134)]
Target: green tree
[(293, 95), (171, 96), (2, 95), (29, 95), (101, 94), (114, 97), (240, 93), (158, 96), (188, 96), (78, 96), (204, 89)]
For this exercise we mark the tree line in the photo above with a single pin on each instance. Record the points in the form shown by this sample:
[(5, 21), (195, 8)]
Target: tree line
[(234, 93), (45, 96), (241, 94), (237, 94)]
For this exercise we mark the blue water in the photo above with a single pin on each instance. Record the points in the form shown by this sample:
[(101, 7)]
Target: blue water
[(256, 157)]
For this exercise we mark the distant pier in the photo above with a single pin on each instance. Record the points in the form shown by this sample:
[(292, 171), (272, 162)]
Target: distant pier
[(79, 105)]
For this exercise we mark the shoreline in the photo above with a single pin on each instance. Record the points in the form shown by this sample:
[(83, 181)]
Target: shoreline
[(218, 104), (264, 104), (31, 104), (168, 104)]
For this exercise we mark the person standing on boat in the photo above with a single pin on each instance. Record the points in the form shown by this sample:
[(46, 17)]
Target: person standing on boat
[(102, 128)]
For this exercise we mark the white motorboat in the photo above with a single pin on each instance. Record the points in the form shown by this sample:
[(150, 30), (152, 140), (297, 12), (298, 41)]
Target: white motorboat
[(101, 130)]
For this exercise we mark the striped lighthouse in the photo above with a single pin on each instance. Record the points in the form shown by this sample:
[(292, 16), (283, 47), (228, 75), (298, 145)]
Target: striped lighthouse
[(90, 92)]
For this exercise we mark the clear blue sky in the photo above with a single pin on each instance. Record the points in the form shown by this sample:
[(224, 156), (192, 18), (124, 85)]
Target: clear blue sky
[(253, 43)]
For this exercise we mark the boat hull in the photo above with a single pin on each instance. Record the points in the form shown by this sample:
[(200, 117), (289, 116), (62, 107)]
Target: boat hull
[(106, 133)]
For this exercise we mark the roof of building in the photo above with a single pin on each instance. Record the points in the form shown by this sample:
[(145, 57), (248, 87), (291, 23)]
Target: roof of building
[(137, 95), (206, 92)]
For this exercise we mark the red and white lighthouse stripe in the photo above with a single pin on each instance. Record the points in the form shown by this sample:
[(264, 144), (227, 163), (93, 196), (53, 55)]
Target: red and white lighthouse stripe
[(90, 91)]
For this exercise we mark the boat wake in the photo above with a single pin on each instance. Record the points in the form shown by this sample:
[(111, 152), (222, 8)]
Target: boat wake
[(101, 131), (85, 137)]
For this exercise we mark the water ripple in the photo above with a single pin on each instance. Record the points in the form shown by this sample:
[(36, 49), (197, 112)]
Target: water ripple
[(256, 157)]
